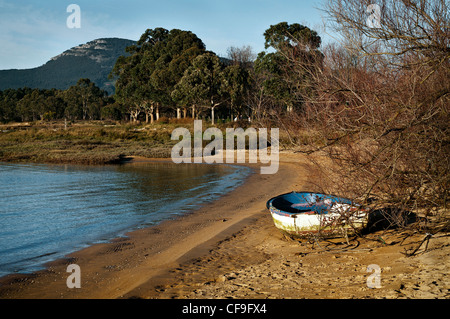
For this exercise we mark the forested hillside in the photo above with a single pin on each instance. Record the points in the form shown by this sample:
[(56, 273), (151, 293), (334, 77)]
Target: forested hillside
[(93, 60)]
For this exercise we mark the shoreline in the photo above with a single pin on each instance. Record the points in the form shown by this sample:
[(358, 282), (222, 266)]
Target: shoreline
[(136, 162), (195, 230), (230, 248)]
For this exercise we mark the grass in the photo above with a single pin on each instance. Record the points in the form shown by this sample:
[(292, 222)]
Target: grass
[(83, 143), (94, 142)]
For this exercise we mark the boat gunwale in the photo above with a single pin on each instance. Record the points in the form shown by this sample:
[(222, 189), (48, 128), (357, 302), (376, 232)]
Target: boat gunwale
[(278, 211)]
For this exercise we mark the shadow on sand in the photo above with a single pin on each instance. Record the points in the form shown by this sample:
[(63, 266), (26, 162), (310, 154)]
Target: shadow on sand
[(388, 218)]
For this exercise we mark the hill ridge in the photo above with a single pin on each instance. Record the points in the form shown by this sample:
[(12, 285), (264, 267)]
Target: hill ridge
[(94, 60)]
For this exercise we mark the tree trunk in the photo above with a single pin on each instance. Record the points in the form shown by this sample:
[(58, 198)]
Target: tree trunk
[(149, 114), (157, 112), (212, 115), (84, 110), (178, 113), (134, 114), (184, 112)]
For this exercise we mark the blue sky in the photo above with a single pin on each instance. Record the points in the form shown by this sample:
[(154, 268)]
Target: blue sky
[(32, 32)]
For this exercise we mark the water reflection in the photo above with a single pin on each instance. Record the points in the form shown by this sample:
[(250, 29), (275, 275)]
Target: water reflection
[(47, 211)]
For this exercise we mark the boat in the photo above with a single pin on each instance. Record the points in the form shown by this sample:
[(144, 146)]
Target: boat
[(305, 214)]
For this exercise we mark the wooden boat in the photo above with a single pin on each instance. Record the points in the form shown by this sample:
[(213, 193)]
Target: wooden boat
[(302, 214)]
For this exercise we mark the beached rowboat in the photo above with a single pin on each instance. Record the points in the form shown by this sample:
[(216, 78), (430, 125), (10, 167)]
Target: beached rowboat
[(301, 214)]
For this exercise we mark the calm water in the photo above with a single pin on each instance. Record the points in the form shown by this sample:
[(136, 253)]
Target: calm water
[(47, 211)]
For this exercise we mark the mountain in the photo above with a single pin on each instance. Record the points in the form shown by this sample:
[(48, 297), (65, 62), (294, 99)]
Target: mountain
[(93, 60)]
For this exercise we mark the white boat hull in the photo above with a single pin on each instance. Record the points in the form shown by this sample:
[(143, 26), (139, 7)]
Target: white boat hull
[(340, 219)]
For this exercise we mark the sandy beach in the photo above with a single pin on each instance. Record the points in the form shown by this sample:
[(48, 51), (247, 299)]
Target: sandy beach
[(231, 249)]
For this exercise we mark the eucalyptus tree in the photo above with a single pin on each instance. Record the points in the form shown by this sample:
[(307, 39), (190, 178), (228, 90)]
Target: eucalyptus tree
[(133, 87), (83, 100), (9, 104), (285, 69), (31, 106), (155, 64), (236, 85), (201, 84)]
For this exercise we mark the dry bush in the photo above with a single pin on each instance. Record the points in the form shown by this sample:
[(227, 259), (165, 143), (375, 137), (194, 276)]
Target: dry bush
[(379, 105)]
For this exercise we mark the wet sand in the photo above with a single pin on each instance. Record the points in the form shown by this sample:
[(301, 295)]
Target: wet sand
[(231, 249)]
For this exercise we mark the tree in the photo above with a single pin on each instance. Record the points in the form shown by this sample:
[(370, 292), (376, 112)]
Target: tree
[(260, 103), (112, 111), (381, 111), (406, 30), (284, 36), (31, 106), (84, 100), (242, 56), (294, 44), (54, 104), (277, 83), (236, 85), (201, 83), (156, 63), (132, 85)]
